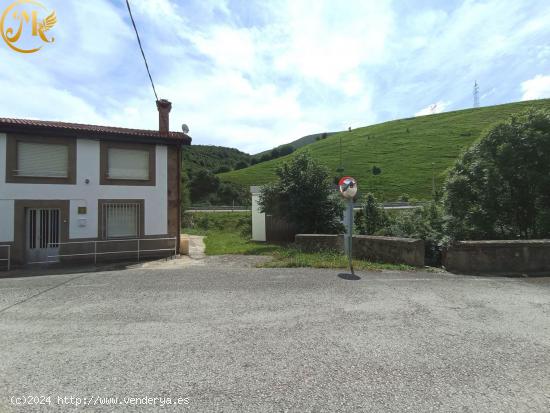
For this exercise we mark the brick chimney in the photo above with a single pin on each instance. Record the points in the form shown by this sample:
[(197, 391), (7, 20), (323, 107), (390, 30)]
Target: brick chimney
[(164, 106)]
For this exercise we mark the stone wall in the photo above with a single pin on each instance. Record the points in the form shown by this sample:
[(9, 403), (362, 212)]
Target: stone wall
[(498, 257), (381, 249), (393, 250)]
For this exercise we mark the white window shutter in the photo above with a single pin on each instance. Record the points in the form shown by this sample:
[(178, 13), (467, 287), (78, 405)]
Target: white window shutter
[(43, 160), (128, 164)]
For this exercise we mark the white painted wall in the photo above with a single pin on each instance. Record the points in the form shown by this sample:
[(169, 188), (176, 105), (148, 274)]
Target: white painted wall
[(82, 194), (258, 219)]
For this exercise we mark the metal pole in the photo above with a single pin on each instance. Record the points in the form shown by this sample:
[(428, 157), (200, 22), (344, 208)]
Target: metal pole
[(95, 252), (9, 256), (138, 249), (350, 235)]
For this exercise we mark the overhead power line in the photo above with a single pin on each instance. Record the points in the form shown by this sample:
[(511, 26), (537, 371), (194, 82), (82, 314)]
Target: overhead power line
[(142, 52)]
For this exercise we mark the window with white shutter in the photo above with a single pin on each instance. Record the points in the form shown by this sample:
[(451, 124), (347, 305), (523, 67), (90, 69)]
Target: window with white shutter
[(131, 164), (43, 160)]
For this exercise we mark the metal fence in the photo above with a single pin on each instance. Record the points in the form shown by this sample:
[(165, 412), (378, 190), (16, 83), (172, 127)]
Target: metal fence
[(138, 250), (216, 208), (8, 260)]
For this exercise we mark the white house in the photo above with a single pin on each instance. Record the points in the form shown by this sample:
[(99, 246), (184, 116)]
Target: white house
[(64, 186)]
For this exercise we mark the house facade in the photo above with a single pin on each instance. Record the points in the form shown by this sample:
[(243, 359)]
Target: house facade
[(72, 191)]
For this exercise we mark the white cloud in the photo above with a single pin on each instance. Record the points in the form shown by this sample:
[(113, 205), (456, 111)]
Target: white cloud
[(536, 88), (257, 74), (437, 107)]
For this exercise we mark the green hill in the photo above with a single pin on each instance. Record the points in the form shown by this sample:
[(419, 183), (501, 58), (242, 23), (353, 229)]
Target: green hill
[(211, 157), (298, 143), (405, 150)]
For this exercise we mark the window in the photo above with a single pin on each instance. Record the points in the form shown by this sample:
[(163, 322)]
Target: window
[(42, 160), (124, 163), (121, 220), (128, 164)]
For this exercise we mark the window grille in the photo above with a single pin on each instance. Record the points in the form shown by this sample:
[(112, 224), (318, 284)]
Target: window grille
[(121, 220)]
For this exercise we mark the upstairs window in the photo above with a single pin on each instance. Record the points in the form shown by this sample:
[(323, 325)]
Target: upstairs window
[(125, 163), (32, 159), (42, 160), (130, 164)]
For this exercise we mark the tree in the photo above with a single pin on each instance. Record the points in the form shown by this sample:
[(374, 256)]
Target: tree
[(372, 217), (500, 187), (265, 157), (241, 165), (202, 184), (285, 150), (184, 191), (303, 195), (275, 153), (229, 193), (222, 169)]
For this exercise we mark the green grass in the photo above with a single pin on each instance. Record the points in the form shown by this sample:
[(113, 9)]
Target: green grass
[(229, 241), (222, 242), (405, 157), (291, 258)]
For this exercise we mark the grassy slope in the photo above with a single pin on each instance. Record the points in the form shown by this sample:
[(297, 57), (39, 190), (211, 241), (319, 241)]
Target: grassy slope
[(298, 143), (404, 157)]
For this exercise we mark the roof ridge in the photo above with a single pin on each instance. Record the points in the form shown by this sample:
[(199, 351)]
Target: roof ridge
[(87, 127)]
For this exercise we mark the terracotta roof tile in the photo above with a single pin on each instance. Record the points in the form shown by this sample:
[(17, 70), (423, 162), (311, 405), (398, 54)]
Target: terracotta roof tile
[(95, 129)]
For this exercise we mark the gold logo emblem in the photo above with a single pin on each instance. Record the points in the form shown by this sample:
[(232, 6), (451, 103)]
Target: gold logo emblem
[(26, 30)]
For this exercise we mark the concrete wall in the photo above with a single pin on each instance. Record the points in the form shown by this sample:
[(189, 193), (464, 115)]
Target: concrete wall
[(498, 257), (82, 194), (381, 249), (258, 218)]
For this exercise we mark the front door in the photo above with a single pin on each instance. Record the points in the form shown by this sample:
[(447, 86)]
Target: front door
[(42, 233)]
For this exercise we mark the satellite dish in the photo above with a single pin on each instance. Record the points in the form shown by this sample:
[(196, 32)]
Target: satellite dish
[(185, 128)]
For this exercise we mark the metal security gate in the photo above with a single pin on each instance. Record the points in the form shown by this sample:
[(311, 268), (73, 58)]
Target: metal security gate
[(42, 234)]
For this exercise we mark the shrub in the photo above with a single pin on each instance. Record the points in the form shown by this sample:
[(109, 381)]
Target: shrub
[(426, 223), (500, 187), (371, 218), (303, 195)]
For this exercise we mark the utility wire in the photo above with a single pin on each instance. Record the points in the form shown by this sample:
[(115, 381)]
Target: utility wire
[(141, 48)]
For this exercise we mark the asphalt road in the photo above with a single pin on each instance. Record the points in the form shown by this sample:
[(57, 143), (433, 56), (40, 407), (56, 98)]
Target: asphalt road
[(229, 338)]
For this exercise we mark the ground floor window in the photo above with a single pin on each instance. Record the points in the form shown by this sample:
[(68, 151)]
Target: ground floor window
[(121, 220)]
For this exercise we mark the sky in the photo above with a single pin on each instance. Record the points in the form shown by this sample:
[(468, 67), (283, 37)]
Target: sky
[(254, 74)]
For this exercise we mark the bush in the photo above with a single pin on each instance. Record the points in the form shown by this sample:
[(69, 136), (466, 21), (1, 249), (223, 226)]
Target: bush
[(245, 226), (500, 187), (371, 218), (303, 195), (426, 223)]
